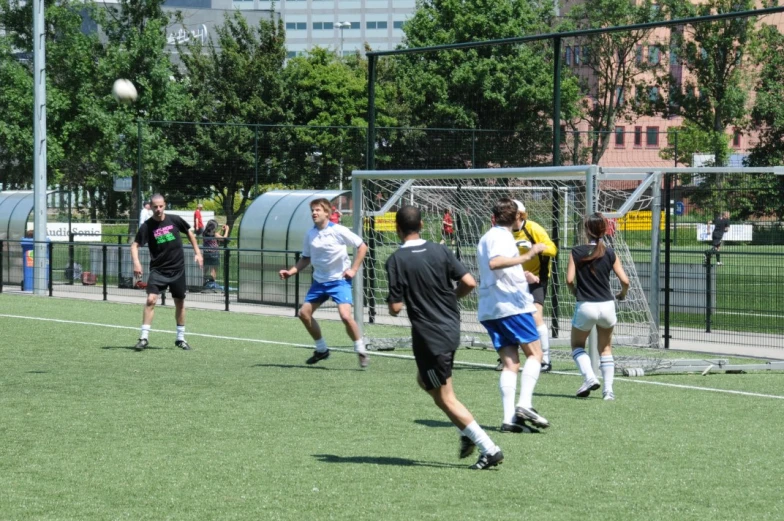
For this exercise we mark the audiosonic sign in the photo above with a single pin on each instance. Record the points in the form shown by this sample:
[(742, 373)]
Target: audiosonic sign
[(83, 232)]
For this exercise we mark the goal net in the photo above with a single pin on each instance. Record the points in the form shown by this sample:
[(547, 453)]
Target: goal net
[(557, 198)]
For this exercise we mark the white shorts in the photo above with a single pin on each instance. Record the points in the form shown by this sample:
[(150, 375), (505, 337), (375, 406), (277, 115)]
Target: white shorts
[(589, 314)]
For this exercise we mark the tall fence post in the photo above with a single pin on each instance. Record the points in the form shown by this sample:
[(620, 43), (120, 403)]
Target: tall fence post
[(2, 266), (104, 272), (708, 290), (667, 250), (49, 271), (226, 259), (556, 101), (296, 285)]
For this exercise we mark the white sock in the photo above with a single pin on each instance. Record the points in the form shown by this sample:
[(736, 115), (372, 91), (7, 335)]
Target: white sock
[(544, 339), (359, 346), (508, 386), (607, 365), (145, 331), (528, 380), (480, 438), (583, 362), (321, 345), (180, 333)]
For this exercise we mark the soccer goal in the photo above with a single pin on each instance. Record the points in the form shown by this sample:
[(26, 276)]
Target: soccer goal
[(558, 198)]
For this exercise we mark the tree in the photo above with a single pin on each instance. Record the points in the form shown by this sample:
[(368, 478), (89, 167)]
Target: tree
[(617, 62), (234, 79), (504, 90)]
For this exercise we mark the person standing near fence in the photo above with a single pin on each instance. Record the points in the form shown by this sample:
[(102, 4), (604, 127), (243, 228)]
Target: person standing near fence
[(145, 214), (721, 225), (198, 223), (591, 264), (162, 234), (212, 241), (423, 274), (506, 310), (325, 247)]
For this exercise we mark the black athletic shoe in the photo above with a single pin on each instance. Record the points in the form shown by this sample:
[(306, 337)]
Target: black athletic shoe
[(467, 447), (530, 415), (518, 427), (487, 461), (317, 357), (500, 366), (141, 344), (546, 367), (182, 344)]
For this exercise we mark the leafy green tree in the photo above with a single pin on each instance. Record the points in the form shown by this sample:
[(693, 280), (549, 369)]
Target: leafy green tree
[(504, 89), (616, 63), (233, 79), (16, 130)]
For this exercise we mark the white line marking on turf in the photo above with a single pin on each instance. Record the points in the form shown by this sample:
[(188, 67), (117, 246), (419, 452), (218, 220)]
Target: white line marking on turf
[(380, 354)]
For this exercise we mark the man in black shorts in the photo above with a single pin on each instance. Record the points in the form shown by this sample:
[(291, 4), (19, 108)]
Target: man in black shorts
[(422, 274), (720, 226), (167, 266)]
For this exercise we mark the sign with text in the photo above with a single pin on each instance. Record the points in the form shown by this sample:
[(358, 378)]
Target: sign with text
[(83, 232), (737, 232)]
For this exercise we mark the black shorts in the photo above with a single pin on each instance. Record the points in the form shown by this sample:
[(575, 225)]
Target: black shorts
[(212, 259), (157, 283), (434, 369), (716, 243), (539, 291)]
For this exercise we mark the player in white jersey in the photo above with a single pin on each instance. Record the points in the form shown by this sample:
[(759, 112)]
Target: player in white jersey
[(325, 248), (506, 309)]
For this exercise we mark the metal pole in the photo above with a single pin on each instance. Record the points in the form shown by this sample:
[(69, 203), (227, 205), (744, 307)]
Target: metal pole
[(357, 283), (39, 147), (556, 101), (667, 252), (371, 129), (105, 271), (655, 287), (256, 162), (139, 204), (226, 261)]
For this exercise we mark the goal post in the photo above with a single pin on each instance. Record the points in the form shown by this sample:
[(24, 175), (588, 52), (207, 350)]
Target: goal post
[(557, 198)]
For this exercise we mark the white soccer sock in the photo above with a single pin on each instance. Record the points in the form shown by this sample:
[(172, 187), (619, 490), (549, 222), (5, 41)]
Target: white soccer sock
[(544, 339), (607, 365), (145, 332), (508, 386), (359, 346), (583, 362), (528, 380), (480, 438), (321, 345), (180, 333)]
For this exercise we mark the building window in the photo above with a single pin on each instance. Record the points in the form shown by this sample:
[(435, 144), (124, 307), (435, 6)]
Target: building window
[(619, 136), (586, 54), (376, 25), (736, 139), (397, 25), (653, 94), (576, 55), (652, 136), (322, 25), (654, 55), (291, 54), (638, 136), (371, 25), (568, 59), (619, 96), (638, 54), (290, 26), (355, 25)]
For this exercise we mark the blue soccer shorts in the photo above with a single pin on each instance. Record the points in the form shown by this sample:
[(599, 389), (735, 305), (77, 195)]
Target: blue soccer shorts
[(512, 331), (338, 290)]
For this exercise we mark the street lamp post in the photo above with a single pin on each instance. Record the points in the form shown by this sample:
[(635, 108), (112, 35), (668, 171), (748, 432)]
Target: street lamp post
[(342, 26)]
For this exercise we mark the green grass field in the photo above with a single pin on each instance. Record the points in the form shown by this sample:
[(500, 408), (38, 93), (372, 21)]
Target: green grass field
[(240, 428)]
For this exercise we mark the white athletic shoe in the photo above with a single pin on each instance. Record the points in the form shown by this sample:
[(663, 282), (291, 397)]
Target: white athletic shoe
[(530, 415), (608, 396), (585, 389)]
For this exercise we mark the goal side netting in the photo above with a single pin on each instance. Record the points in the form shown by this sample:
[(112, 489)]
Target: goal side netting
[(558, 199)]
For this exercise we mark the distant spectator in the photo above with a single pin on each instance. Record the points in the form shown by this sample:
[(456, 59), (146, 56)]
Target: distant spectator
[(447, 228), (198, 224), (335, 216), (720, 226), (211, 247), (145, 214)]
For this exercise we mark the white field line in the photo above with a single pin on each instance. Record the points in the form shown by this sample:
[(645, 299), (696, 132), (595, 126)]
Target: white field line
[(381, 354)]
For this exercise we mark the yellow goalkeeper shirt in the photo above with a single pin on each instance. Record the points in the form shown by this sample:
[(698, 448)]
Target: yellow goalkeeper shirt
[(538, 235)]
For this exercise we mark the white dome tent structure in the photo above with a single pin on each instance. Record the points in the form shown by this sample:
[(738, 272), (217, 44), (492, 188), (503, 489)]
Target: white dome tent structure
[(276, 223)]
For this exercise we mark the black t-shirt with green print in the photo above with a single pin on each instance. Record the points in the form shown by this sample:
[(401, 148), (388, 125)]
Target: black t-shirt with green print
[(165, 243)]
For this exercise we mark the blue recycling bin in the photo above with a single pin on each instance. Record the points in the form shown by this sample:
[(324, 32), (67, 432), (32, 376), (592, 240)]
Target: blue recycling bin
[(28, 265)]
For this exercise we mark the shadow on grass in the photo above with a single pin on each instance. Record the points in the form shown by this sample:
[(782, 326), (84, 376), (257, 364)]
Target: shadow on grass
[(131, 348), (382, 460), (308, 367), (434, 423)]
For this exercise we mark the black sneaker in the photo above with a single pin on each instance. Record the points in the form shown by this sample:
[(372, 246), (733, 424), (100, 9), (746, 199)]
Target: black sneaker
[(500, 366), (518, 427), (546, 367), (487, 461), (182, 344), (141, 344), (530, 415), (317, 357), (467, 447)]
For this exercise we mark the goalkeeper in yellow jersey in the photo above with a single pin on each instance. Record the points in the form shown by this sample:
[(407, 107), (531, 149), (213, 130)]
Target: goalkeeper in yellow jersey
[(527, 233)]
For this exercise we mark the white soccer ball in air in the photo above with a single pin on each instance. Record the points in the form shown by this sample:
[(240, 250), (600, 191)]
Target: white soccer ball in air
[(124, 91), (524, 246)]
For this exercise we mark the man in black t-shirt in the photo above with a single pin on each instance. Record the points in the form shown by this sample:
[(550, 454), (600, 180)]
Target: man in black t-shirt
[(422, 274), (161, 233), (720, 226)]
